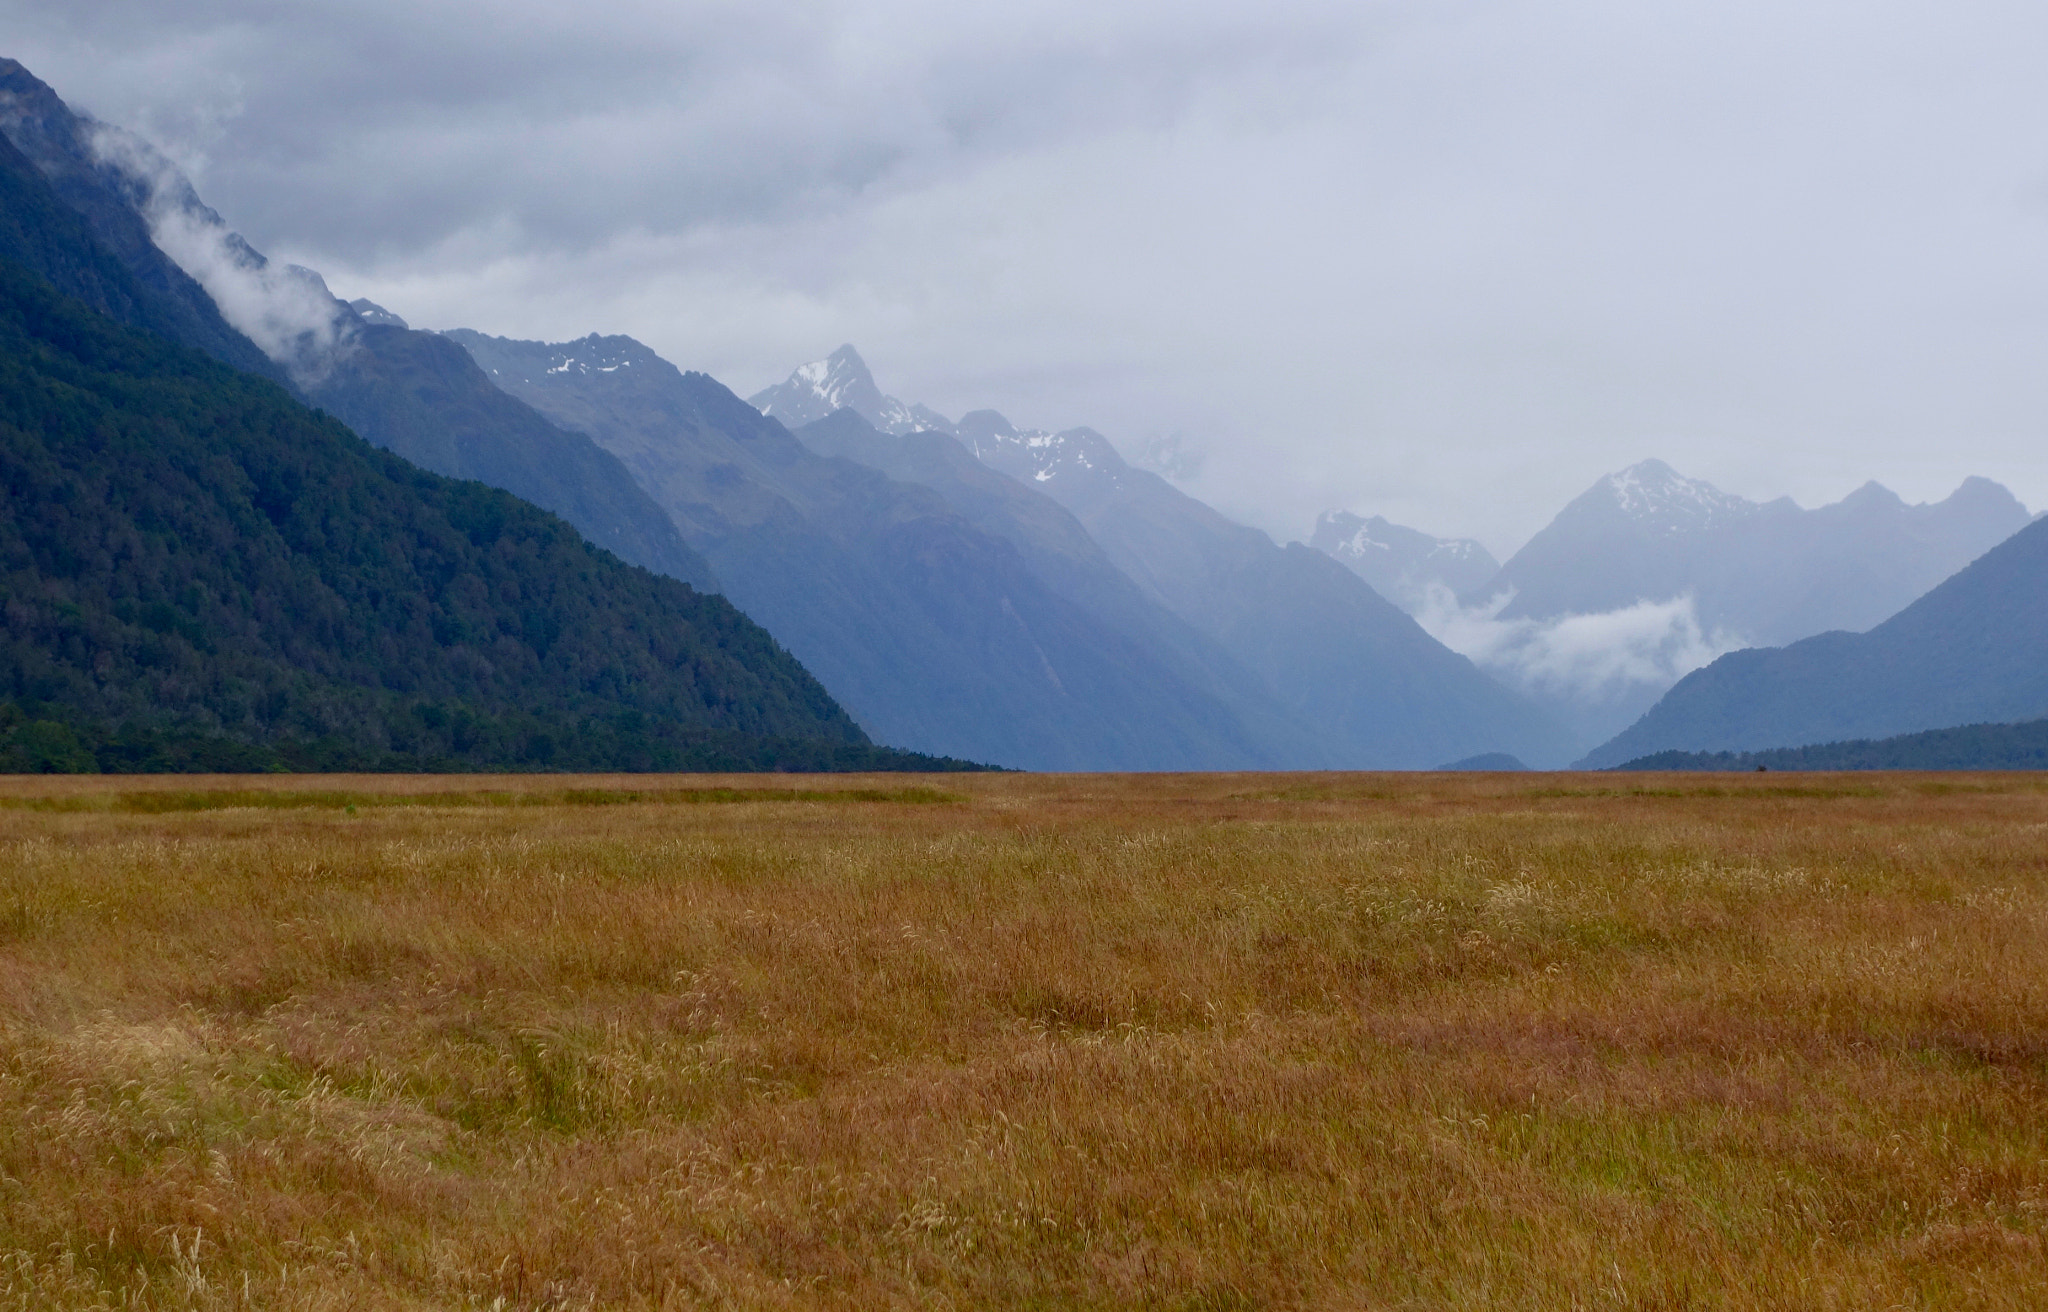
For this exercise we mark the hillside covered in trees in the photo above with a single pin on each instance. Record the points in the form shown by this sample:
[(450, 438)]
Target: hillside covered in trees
[(198, 572)]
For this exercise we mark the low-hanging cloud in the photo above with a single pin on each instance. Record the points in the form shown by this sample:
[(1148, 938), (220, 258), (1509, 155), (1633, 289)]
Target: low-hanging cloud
[(285, 309), (1587, 659)]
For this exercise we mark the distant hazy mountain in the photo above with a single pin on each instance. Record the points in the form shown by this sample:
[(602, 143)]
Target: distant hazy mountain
[(411, 392), (842, 381), (1761, 573), (1382, 692), (1062, 555), (1974, 650), (934, 631), (1331, 654), (1402, 563)]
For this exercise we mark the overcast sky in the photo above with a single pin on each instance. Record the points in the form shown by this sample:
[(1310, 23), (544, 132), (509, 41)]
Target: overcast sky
[(1446, 260)]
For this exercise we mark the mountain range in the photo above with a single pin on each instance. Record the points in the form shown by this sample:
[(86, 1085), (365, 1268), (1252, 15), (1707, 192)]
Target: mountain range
[(936, 632), (1404, 565), (963, 588), (411, 392), (1649, 575), (198, 571), (1322, 648), (1765, 574)]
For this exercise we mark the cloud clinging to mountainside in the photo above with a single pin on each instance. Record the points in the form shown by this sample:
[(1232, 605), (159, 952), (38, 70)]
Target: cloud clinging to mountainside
[(1446, 262)]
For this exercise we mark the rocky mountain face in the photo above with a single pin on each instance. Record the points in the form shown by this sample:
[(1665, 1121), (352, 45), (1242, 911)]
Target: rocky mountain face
[(1328, 651), (408, 391), (1973, 650), (934, 631), (1402, 564), (1761, 573)]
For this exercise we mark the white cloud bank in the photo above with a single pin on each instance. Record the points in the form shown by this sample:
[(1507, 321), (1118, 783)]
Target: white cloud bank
[(1589, 660)]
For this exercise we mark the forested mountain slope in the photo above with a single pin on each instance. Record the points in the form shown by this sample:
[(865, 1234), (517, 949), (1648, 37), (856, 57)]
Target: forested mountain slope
[(190, 561), (408, 391)]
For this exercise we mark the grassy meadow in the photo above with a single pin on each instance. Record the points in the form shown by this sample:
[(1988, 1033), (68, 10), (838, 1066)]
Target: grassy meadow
[(1351, 1041)]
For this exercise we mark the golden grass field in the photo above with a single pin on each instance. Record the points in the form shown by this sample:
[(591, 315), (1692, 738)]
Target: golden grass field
[(1347, 1041)]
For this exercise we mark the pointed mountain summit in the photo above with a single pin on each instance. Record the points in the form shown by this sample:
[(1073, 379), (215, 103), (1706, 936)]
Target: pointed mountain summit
[(940, 624), (1656, 498), (841, 381)]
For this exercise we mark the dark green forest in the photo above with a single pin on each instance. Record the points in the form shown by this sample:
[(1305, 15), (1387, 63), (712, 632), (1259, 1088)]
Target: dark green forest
[(196, 572)]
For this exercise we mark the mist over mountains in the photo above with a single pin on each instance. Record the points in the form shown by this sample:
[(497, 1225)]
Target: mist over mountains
[(970, 588), (1650, 575), (1027, 596)]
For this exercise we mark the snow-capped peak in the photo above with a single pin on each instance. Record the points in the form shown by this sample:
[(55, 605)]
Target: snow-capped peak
[(1657, 496), (841, 381)]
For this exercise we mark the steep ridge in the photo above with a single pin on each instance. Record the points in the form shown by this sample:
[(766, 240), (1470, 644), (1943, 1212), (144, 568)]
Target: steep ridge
[(422, 396), (408, 391), (162, 298), (935, 633), (1763, 573), (1973, 650), (189, 558), (1381, 692), (1066, 559)]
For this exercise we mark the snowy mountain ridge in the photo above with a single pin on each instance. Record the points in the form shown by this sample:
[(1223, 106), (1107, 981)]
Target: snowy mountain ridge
[(588, 355), (1401, 563), (1658, 497), (1034, 453)]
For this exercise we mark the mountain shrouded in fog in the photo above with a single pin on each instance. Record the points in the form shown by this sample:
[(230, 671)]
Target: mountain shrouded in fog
[(1321, 645), (1972, 651)]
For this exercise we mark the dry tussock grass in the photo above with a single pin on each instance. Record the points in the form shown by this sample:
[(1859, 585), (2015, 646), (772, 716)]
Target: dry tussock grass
[(1188, 1042)]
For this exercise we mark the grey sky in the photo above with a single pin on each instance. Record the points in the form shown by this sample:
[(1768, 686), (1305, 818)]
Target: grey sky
[(1445, 260)]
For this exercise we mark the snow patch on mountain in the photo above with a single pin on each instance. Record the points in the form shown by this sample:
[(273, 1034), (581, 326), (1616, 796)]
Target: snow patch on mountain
[(1401, 563), (841, 381), (1660, 498), (1038, 455)]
